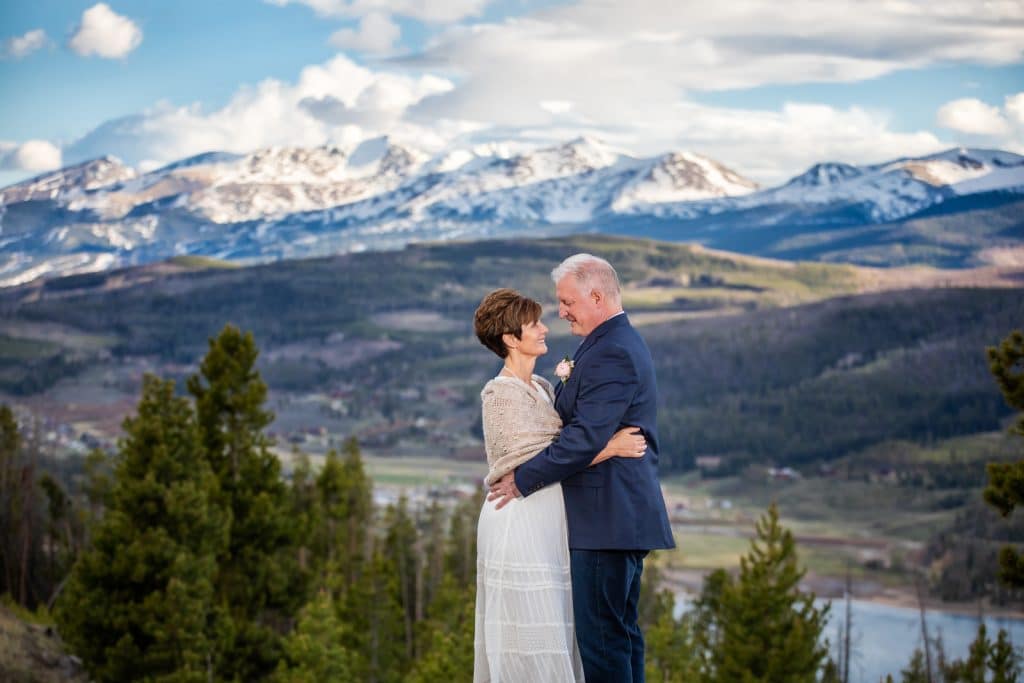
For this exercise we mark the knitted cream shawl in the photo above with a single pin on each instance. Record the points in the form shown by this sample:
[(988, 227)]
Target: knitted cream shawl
[(518, 423)]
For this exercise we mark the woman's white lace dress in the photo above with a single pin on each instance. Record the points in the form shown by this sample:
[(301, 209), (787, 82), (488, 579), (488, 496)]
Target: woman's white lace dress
[(524, 623)]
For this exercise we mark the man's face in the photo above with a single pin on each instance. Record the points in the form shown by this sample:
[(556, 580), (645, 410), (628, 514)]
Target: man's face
[(577, 307)]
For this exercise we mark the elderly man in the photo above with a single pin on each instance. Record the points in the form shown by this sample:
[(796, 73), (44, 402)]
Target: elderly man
[(615, 510)]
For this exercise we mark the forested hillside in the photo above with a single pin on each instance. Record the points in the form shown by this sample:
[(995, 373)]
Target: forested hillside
[(758, 360)]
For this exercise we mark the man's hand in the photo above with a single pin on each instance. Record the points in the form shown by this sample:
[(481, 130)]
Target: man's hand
[(505, 489)]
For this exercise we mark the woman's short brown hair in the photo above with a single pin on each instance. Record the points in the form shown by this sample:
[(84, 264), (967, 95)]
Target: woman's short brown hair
[(503, 311)]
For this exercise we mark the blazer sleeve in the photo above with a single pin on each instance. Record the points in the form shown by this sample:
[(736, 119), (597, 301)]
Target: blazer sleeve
[(607, 387)]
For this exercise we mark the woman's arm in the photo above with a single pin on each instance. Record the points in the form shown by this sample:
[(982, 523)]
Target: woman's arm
[(628, 442)]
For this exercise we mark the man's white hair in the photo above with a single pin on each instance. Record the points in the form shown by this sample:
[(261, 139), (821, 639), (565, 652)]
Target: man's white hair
[(591, 272)]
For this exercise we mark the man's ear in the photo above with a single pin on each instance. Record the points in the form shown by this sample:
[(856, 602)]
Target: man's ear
[(597, 296)]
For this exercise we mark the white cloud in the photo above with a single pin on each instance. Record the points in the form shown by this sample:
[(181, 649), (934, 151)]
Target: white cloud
[(631, 73), (341, 102), (1015, 108), (772, 146), (434, 11), (978, 123), (972, 116), (766, 145), (377, 33), (617, 60), (338, 102), (627, 74), (31, 155), (556, 106), (22, 46), (104, 33)]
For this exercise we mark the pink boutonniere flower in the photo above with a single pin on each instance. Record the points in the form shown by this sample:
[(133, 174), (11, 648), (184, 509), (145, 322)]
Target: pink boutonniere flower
[(564, 369)]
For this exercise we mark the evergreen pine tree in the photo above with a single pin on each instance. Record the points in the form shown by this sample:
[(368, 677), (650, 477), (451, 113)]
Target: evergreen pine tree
[(63, 535), (358, 509), (400, 548), (433, 544), (315, 650), (12, 508), (765, 629), (1005, 488), (671, 645), (328, 536), (1006, 363), (305, 513), (98, 481), (26, 556), (915, 671), (449, 648), (1003, 660), (344, 494), (446, 635), (140, 602), (375, 613), (997, 662), (329, 639), (972, 669), (460, 554), (258, 576)]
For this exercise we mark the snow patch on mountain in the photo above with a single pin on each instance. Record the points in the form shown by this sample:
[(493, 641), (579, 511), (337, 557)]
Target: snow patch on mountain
[(291, 202), (895, 189), (679, 177), (825, 174), (72, 180)]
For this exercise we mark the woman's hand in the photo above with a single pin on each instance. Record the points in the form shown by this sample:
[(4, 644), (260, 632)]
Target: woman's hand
[(628, 442)]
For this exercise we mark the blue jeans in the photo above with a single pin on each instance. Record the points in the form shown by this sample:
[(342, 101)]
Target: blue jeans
[(605, 597)]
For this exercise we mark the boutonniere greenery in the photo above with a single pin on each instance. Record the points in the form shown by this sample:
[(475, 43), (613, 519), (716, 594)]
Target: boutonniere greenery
[(564, 369)]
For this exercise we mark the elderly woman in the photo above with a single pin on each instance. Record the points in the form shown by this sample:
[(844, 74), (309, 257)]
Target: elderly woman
[(524, 616)]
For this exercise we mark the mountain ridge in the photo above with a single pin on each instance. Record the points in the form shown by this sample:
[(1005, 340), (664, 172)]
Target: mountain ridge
[(285, 202)]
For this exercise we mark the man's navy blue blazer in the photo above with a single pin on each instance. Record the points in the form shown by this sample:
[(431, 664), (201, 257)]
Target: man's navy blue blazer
[(617, 504)]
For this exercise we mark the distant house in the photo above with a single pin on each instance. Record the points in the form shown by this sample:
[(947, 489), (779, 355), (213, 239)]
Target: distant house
[(783, 474), (708, 463), (886, 475)]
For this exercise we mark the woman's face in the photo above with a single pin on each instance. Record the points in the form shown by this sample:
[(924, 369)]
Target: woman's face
[(533, 341)]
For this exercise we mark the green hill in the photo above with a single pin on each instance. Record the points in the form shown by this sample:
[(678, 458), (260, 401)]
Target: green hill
[(758, 361)]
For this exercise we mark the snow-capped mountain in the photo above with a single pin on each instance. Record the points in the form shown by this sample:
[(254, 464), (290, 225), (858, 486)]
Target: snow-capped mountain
[(837, 193), (295, 202), (676, 178), (69, 181), (900, 188)]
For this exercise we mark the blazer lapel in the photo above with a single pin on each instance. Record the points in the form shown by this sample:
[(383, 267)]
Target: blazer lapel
[(564, 406), (599, 332)]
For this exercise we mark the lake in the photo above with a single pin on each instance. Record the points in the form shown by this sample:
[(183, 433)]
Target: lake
[(885, 636)]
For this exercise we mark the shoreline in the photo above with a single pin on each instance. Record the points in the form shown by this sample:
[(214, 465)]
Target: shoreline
[(689, 581), (907, 600)]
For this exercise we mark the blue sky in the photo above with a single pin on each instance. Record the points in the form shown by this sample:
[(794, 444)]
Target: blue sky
[(763, 89)]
